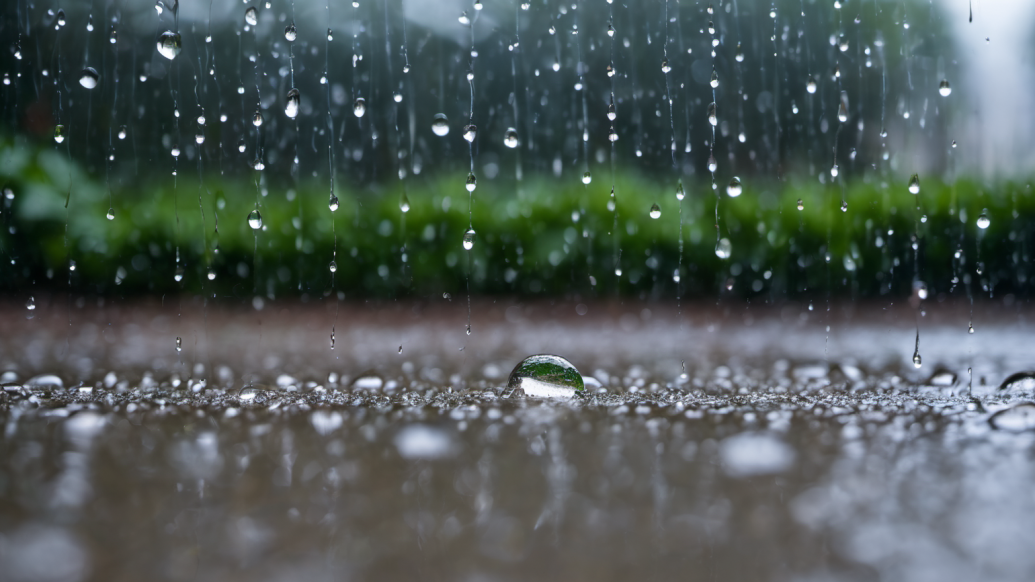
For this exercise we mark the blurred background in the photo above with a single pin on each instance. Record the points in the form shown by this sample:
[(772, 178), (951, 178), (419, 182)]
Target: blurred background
[(823, 112)]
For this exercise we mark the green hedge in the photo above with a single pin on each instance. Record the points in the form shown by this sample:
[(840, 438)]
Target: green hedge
[(528, 241)]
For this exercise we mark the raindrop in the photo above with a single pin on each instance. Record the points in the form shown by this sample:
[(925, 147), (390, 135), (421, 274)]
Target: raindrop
[(1018, 382), (511, 138), (1020, 417), (89, 78), (715, 79), (735, 188), (665, 68), (472, 182), (257, 118), (801, 205), (712, 116), (333, 267), (917, 361), (251, 16), (723, 248), (179, 344), (611, 112), (713, 164), (470, 132), (404, 203), (59, 133), (359, 107), (31, 303), (291, 107), (178, 275), (587, 178), (440, 125), (255, 219), (469, 239), (169, 44), (464, 19), (982, 221), (842, 112), (844, 206), (914, 184), (111, 214), (655, 211), (122, 132), (810, 86), (545, 376), (680, 193), (944, 89), (290, 33)]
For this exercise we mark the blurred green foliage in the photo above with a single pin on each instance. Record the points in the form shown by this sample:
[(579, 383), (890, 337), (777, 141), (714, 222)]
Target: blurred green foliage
[(543, 236)]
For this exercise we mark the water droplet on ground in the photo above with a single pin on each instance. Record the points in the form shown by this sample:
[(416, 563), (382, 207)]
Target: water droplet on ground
[(1018, 418), (545, 376)]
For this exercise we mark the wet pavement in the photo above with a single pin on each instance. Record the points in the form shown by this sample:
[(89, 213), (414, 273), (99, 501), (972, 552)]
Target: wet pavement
[(717, 442)]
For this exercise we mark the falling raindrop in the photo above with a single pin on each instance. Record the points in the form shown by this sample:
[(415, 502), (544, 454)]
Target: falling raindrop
[(89, 78), (251, 16), (723, 248), (404, 203), (810, 86), (735, 188), (511, 139), (291, 107), (31, 303), (983, 222), (179, 344), (472, 182), (801, 205), (111, 214), (440, 125), (290, 33), (655, 211), (470, 132), (944, 89), (169, 44), (680, 193), (333, 267), (469, 239), (255, 219), (914, 184), (257, 118), (59, 133), (332, 203), (359, 107), (587, 178)]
